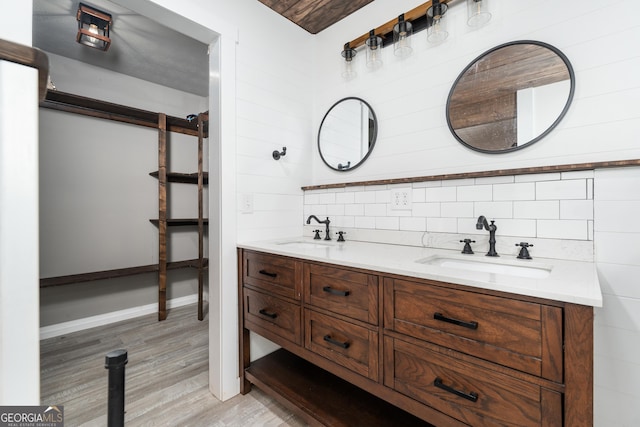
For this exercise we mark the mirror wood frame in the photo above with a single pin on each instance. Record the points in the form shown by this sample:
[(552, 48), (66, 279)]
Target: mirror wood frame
[(372, 138), (552, 49)]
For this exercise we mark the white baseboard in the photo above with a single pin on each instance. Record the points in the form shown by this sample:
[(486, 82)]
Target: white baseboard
[(107, 318)]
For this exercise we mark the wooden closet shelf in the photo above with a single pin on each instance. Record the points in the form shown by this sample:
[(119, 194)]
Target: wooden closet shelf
[(119, 272), (181, 222), (186, 178), (106, 110)]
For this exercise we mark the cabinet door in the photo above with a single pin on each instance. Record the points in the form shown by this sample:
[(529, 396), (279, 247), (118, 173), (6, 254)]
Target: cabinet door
[(470, 393), (272, 273), (350, 293), (522, 335), (269, 313), (352, 346)]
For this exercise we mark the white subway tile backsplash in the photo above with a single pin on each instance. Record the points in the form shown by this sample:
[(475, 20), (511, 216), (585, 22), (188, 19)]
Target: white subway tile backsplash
[(590, 189), (577, 174), (327, 198), (387, 223), (311, 198), (375, 209), (516, 227), (413, 224), (441, 194), (546, 209), (418, 195), (354, 210), (345, 198), (442, 225), (472, 193), (563, 229), (365, 197), (515, 191), (562, 190), (365, 222), (495, 180), (552, 176), (427, 184), (335, 210), (576, 209), (493, 210), (458, 182), (383, 196), (456, 209), (425, 209)]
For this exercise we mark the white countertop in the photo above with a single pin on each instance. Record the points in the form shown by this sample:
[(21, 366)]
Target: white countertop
[(568, 281)]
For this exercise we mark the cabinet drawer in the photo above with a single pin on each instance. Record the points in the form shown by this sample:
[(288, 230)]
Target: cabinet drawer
[(352, 346), (345, 292), (521, 335), (272, 273), (272, 314), (470, 393)]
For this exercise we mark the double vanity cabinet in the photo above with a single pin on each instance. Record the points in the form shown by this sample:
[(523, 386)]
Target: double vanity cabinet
[(369, 346)]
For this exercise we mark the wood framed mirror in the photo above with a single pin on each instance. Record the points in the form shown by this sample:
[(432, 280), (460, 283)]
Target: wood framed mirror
[(510, 96), (347, 134)]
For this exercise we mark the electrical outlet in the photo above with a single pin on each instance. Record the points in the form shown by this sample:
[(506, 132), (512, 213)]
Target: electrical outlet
[(401, 198), (246, 203)]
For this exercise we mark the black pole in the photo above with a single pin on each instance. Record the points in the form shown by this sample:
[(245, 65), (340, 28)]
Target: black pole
[(114, 362)]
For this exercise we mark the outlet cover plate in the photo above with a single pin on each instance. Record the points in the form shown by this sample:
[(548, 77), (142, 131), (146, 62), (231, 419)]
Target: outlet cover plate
[(401, 198)]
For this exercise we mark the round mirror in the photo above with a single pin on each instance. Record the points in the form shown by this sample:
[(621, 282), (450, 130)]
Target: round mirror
[(510, 96), (347, 134)]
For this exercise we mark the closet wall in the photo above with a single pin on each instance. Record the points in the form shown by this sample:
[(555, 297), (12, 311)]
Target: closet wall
[(96, 195)]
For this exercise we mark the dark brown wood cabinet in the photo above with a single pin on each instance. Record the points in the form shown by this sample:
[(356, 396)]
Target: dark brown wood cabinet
[(446, 354)]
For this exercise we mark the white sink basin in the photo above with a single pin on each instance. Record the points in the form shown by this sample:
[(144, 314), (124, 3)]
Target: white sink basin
[(303, 244), (505, 268)]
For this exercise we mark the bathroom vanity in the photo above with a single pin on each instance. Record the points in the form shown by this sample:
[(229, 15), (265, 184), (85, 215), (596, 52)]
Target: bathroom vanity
[(375, 334)]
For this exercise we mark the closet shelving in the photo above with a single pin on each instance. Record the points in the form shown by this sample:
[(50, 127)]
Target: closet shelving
[(100, 109)]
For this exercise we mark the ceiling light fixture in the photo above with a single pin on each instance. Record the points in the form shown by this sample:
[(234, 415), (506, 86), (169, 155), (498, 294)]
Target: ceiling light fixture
[(402, 32), (93, 27)]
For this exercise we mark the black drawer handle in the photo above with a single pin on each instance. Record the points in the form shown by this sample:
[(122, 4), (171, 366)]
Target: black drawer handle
[(469, 396), (330, 340), (332, 291), (264, 312), (266, 273), (470, 325)]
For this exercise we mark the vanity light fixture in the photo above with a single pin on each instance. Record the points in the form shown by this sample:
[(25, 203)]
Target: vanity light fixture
[(93, 27), (374, 50), (437, 31), (478, 13), (348, 68), (402, 32)]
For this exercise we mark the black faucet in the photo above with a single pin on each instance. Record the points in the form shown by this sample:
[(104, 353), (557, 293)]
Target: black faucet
[(482, 222), (326, 222)]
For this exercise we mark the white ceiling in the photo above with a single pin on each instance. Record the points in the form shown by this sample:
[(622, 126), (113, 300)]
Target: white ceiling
[(140, 47)]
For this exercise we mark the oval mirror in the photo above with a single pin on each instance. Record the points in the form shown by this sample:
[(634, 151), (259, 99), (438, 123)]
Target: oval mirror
[(347, 134), (510, 96)]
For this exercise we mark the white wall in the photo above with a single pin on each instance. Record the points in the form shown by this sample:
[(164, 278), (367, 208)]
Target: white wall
[(19, 344), (603, 123)]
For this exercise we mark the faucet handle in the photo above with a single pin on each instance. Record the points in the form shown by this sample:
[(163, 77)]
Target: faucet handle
[(317, 236), (341, 235), (467, 246), (524, 252)]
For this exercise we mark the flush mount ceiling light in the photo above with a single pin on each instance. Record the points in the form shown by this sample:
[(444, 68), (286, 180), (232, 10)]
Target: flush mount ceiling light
[(93, 27), (428, 16), (402, 32)]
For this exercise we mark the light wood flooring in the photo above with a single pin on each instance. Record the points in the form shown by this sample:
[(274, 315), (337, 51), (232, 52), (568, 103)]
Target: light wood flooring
[(166, 377)]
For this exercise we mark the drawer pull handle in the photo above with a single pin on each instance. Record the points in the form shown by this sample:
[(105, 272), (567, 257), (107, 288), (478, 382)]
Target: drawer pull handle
[(264, 312), (266, 273), (330, 340), (332, 291), (441, 317), (469, 396)]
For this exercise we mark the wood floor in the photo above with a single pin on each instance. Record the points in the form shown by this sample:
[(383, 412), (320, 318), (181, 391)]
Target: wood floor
[(166, 377)]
